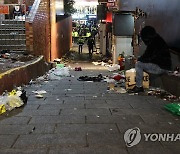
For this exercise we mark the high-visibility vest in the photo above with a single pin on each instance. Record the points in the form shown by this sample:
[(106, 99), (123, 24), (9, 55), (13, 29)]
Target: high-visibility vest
[(75, 34), (88, 34)]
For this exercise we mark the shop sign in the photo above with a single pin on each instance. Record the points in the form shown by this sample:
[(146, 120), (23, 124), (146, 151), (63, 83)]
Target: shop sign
[(4, 9)]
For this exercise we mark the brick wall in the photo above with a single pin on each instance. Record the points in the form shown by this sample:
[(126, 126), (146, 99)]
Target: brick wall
[(41, 30), (47, 35), (10, 1), (29, 2), (63, 37), (38, 32)]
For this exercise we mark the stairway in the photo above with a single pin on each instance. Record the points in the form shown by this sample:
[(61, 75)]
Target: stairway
[(12, 35)]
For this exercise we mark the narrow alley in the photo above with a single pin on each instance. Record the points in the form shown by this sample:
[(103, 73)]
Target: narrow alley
[(89, 77), (78, 117)]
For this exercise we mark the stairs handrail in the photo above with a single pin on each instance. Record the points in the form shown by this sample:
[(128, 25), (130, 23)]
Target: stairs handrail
[(33, 11)]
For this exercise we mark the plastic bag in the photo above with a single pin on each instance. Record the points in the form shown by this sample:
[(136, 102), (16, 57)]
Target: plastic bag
[(13, 102), (114, 67), (174, 108)]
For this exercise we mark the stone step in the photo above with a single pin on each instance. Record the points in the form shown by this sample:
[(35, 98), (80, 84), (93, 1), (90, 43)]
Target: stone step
[(12, 32), (12, 36), (13, 47), (12, 41), (12, 22), (5, 26), (13, 29)]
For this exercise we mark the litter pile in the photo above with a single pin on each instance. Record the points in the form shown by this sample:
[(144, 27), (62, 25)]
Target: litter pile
[(57, 73), (176, 72), (162, 94), (15, 98), (116, 83), (11, 59), (110, 67)]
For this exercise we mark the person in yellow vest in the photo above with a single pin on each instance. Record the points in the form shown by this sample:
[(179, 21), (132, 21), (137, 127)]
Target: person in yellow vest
[(76, 35), (88, 34)]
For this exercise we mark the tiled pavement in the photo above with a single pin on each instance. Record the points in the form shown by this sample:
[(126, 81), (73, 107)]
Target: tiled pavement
[(77, 117)]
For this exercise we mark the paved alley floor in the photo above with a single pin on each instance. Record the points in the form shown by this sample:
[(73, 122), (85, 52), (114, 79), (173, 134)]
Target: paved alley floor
[(77, 117)]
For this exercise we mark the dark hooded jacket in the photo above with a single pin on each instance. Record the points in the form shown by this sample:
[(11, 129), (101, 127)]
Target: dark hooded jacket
[(157, 51)]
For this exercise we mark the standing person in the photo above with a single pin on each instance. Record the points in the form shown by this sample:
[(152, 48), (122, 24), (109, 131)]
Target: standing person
[(80, 43), (90, 44), (156, 58)]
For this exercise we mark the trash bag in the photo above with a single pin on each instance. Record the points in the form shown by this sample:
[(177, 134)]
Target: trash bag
[(13, 102), (62, 72), (23, 96), (174, 108)]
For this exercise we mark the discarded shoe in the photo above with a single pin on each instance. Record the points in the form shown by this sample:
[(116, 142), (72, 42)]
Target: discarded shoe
[(78, 69), (136, 90)]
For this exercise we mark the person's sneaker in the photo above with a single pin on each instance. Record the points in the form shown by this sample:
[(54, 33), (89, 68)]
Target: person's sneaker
[(136, 90)]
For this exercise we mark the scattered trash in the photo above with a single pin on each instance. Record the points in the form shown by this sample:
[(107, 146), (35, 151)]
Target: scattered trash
[(13, 102), (121, 61), (162, 94), (111, 86), (109, 80), (13, 99), (173, 107), (62, 72), (10, 59), (60, 65), (39, 96), (100, 63), (33, 129), (118, 77), (114, 67), (58, 73), (98, 78), (57, 60), (40, 92), (120, 90), (67, 89)]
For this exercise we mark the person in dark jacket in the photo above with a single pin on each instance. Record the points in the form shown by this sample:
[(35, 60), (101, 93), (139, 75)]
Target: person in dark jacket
[(90, 44), (156, 58)]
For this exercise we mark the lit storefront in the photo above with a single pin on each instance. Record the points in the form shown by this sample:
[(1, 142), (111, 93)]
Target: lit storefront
[(85, 11)]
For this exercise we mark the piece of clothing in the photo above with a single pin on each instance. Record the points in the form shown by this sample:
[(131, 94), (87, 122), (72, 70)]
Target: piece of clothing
[(149, 68), (157, 52)]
